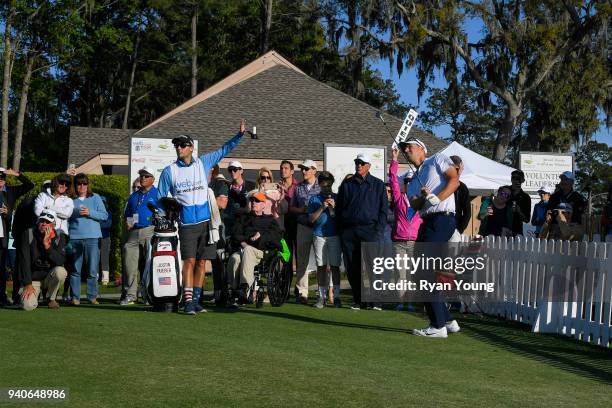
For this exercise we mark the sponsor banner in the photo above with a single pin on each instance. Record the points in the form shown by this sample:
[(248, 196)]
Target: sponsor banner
[(153, 153), (544, 168)]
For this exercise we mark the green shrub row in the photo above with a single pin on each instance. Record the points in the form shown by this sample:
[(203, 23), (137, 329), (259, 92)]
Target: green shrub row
[(114, 188)]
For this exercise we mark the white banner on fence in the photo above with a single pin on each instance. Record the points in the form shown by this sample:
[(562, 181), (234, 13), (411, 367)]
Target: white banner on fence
[(544, 168), (153, 153)]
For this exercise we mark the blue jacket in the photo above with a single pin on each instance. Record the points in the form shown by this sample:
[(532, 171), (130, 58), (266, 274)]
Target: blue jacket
[(539, 215), (362, 202), (137, 204), (84, 227), (190, 192)]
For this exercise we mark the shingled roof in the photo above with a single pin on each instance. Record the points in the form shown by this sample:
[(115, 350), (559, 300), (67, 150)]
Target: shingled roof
[(295, 116), (86, 142)]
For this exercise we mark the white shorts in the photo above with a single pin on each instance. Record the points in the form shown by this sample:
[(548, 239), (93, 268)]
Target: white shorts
[(327, 250)]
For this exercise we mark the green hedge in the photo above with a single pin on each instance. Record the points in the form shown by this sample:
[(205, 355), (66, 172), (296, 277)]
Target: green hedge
[(116, 191)]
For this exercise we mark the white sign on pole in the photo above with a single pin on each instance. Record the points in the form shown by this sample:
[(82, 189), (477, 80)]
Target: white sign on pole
[(338, 160), (406, 126), (544, 168), (153, 153)]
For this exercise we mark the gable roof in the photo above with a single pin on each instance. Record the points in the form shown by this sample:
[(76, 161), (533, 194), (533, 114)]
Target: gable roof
[(86, 142), (295, 116)]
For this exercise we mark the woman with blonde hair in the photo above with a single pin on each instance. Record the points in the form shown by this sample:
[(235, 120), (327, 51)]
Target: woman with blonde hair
[(275, 204)]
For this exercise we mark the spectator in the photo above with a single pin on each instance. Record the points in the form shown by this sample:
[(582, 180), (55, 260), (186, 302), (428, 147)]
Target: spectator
[(463, 206), (361, 216), (390, 216), (237, 199), (299, 206), (275, 203), (41, 258), (187, 181), (105, 241), (8, 197), (496, 214), (407, 220), (220, 189), (288, 185), (539, 210), (606, 219), (253, 233), (567, 194), (136, 185), (56, 199), (520, 202), (322, 216), (431, 192), (85, 233), (558, 224)]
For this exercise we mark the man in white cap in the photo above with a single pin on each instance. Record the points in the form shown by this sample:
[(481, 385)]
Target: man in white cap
[(41, 261), (539, 210), (431, 193), (567, 194), (187, 181), (361, 216), (137, 218), (304, 191)]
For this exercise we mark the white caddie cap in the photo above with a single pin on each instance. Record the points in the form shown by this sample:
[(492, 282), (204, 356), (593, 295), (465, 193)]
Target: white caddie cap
[(308, 164), (364, 158)]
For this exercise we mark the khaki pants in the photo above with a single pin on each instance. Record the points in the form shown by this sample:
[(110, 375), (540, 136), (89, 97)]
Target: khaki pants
[(304, 245), (135, 252), (241, 266), (52, 283)]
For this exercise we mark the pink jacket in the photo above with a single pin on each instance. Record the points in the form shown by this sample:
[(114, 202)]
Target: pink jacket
[(403, 229)]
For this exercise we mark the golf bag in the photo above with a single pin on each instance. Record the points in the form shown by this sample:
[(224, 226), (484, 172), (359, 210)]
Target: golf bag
[(162, 278)]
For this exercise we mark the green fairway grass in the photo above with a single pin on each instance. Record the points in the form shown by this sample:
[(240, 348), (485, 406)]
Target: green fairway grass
[(293, 355)]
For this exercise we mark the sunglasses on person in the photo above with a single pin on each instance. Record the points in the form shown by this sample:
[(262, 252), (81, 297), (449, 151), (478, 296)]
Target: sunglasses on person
[(145, 176), (360, 163), (234, 169), (265, 178), (504, 194), (182, 145)]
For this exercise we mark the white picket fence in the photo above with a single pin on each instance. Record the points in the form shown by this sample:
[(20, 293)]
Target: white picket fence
[(529, 268)]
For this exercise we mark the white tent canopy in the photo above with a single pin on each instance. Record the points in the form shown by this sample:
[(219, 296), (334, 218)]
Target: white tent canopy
[(480, 174)]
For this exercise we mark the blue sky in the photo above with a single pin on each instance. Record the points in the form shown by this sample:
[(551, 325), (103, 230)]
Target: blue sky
[(407, 86)]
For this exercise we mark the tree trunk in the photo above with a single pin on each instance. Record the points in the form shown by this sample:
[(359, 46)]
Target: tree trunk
[(194, 51), (131, 86), (6, 86), (504, 136), (266, 25), (23, 104), (354, 54)]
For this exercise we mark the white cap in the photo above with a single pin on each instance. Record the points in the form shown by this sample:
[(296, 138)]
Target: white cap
[(147, 170), (235, 163), (545, 189), (2, 170), (363, 157), (48, 214), (568, 174), (308, 164), (418, 142)]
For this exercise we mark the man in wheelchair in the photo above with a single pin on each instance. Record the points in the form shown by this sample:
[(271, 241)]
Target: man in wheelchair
[(253, 235)]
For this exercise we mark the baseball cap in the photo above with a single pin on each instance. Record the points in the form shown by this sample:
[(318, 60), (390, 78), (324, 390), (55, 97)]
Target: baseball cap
[(308, 164), (235, 163), (257, 195), (564, 207), (363, 157), (545, 189), (146, 170), (182, 139), (412, 140), (567, 174), (48, 215)]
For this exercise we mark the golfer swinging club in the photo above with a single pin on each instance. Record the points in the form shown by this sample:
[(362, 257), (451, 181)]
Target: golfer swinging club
[(187, 181)]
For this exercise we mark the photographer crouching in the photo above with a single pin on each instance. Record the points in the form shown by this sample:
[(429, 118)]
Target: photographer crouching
[(558, 224)]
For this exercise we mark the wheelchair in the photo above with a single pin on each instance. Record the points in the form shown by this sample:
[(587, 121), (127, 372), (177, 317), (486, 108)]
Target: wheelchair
[(272, 276)]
